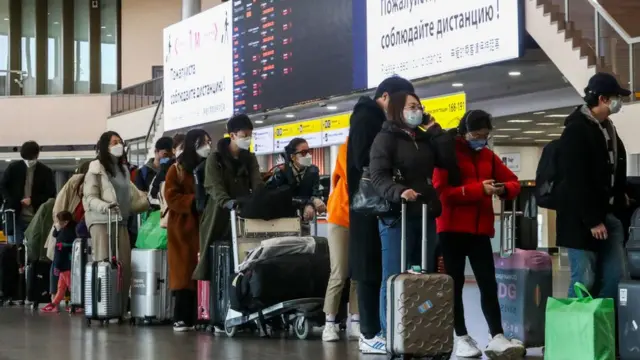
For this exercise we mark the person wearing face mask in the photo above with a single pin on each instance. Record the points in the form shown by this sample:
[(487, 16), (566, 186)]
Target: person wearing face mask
[(592, 171), (231, 172), (25, 185), (163, 154), (183, 225), (365, 263), (301, 175), (107, 186), (165, 164), (466, 226), (401, 167)]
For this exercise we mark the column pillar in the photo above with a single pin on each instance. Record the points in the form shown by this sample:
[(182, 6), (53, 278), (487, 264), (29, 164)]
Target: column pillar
[(190, 8), (633, 164)]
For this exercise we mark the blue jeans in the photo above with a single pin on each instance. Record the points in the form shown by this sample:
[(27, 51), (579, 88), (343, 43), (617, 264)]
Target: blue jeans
[(390, 236), (600, 271), (18, 233)]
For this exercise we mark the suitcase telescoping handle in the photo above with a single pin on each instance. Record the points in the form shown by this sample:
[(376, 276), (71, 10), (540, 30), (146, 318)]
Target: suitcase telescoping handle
[(10, 213), (403, 235), (507, 229), (234, 239), (112, 222)]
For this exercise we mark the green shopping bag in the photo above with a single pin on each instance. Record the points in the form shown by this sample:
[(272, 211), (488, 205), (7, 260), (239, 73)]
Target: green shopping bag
[(150, 234), (581, 328)]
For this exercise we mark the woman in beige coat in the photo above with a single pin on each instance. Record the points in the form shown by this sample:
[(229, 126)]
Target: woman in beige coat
[(108, 187)]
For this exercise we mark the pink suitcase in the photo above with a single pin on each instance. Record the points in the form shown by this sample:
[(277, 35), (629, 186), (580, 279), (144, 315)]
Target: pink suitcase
[(204, 314), (524, 283)]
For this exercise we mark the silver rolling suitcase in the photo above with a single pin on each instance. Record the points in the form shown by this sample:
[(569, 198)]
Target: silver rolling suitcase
[(80, 257), (150, 298), (103, 281), (419, 306)]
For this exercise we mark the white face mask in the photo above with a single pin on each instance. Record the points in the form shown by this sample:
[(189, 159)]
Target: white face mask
[(243, 143), (31, 163), (117, 150), (615, 105), (204, 151), (304, 160)]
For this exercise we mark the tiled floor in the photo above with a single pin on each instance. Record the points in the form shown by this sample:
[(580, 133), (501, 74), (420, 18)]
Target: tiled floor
[(25, 335)]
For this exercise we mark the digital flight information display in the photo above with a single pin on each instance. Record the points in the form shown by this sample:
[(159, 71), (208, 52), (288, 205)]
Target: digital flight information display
[(290, 51)]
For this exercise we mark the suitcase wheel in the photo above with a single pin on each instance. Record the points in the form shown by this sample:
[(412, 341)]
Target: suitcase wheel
[(230, 330), (88, 322), (302, 328)]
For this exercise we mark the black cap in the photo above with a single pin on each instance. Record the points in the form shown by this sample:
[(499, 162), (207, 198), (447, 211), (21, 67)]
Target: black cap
[(238, 123), (164, 143), (605, 84), (393, 85)]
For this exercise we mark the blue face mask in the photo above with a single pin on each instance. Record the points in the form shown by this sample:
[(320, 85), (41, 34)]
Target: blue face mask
[(164, 161), (477, 144)]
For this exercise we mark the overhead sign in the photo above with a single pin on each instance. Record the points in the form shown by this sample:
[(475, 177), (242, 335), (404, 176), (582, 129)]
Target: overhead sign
[(416, 39), (512, 161), (310, 130), (335, 129), (262, 141), (447, 110), (198, 80)]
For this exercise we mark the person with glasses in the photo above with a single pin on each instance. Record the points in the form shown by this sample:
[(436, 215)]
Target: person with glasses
[(301, 175), (466, 226), (402, 160)]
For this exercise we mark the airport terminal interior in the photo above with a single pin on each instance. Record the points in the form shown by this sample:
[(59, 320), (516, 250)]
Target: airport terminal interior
[(72, 69)]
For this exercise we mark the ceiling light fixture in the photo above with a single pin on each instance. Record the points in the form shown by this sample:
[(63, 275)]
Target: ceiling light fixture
[(538, 112), (56, 23), (258, 121), (290, 115), (457, 85), (77, 159), (7, 160), (514, 73), (508, 129), (522, 138), (546, 124), (557, 115), (501, 136), (554, 134), (103, 27), (109, 35), (332, 107), (6, 19), (533, 132), (519, 121)]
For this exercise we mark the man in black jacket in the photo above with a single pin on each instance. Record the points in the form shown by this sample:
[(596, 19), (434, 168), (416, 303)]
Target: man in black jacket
[(365, 253), (163, 154), (592, 174), (25, 185)]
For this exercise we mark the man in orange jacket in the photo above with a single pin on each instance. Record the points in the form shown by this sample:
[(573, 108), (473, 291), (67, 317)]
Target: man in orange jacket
[(338, 219)]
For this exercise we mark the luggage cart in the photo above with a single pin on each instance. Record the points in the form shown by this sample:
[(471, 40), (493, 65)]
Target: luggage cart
[(300, 314)]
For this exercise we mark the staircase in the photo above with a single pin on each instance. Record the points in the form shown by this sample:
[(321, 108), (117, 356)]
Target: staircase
[(582, 38), (156, 129)]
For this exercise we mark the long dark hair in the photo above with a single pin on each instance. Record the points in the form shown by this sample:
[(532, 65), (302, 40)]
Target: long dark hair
[(105, 158), (189, 159), (290, 149), (81, 170), (395, 110)]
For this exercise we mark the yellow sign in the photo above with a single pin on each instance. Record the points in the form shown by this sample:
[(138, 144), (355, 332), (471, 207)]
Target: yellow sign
[(337, 122), (310, 130), (447, 110)]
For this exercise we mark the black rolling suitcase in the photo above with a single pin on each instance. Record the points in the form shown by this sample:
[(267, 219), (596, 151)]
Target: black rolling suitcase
[(221, 260), (38, 276), (629, 319)]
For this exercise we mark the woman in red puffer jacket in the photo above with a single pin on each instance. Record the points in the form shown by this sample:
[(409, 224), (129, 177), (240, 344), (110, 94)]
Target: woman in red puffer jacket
[(465, 228)]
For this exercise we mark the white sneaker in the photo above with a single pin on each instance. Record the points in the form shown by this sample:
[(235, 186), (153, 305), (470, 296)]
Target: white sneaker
[(375, 345), (331, 332), (466, 347), (502, 348), (180, 326), (354, 332)]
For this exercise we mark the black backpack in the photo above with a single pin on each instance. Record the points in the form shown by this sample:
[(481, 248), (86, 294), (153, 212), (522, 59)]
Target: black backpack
[(547, 179)]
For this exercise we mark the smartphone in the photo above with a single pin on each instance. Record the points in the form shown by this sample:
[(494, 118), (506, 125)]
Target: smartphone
[(498, 184)]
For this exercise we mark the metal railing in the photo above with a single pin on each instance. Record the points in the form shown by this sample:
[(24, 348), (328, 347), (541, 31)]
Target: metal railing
[(137, 96), (608, 40)]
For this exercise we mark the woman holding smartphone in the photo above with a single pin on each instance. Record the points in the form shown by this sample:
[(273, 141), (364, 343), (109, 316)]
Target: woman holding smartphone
[(465, 229)]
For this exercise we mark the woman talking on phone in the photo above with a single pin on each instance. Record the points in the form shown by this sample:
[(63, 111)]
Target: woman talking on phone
[(465, 229)]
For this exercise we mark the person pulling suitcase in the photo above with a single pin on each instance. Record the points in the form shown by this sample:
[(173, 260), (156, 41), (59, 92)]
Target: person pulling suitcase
[(65, 236)]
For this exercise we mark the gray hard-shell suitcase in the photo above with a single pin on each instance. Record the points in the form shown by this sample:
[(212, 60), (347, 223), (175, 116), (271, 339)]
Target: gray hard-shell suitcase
[(103, 281), (150, 296), (80, 256), (419, 306)]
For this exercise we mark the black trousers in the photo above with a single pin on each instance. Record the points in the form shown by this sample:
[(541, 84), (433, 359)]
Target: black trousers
[(369, 306), (185, 306), (456, 247)]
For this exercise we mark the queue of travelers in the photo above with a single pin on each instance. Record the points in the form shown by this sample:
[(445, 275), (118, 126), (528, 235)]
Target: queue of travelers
[(407, 156)]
